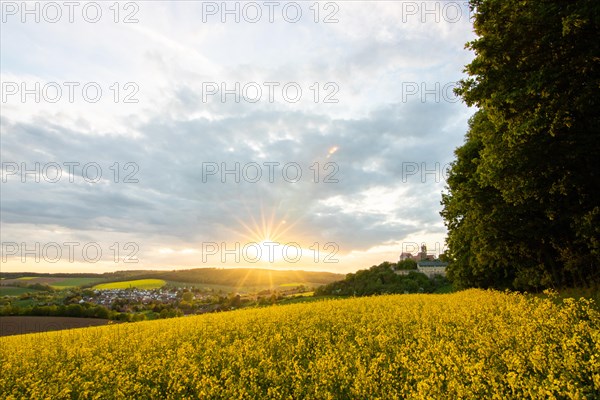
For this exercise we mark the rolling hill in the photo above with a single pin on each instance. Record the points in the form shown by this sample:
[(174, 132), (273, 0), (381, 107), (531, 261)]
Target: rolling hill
[(234, 279)]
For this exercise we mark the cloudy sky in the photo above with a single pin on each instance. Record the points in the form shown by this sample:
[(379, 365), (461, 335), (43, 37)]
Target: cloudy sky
[(296, 135)]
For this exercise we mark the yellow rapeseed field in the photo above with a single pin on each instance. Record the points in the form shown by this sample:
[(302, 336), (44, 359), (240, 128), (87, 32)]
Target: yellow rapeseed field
[(468, 345)]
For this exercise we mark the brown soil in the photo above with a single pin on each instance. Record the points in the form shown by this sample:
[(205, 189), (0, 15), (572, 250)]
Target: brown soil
[(21, 325)]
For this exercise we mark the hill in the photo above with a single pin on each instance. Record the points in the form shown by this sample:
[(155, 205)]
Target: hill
[(471, 344), (248, 277), (381, 279), (229, 279)]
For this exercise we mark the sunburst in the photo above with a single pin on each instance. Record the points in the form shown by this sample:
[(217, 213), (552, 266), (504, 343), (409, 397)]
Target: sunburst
[(264, 234), (267, 232)]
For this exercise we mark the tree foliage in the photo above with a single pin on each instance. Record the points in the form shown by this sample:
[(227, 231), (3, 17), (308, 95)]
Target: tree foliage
[(522, 207), (381, 279), (406, 264)]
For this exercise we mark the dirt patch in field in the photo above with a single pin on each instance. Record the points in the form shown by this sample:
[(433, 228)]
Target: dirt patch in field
[(24, 282), (20, 325)]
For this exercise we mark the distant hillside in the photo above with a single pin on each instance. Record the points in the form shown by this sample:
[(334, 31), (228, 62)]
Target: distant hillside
[(247, 277), (16, 275)]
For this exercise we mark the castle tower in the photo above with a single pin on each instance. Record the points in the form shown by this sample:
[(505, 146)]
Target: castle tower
[(423, 253)]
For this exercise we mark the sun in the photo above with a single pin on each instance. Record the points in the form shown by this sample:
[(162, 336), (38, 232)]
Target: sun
[(270, 250), (264, 251), (266, 229), (266, 237)]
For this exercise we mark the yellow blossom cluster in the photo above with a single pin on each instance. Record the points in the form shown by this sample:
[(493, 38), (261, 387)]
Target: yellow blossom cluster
[(473, 344)]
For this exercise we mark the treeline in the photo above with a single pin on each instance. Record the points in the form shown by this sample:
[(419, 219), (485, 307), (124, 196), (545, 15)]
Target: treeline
[(86, 310), (381, 279), (37, 286), (15, 275), (522, 208)]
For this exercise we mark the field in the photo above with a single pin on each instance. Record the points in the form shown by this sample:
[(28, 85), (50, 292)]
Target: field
[(54, 282), (296, 284), (75, 282), (138, 283), (473, 344), (14, 291), (30, 280), (21, 325)]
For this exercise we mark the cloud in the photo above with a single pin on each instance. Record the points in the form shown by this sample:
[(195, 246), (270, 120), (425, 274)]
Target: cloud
[(185, 152)]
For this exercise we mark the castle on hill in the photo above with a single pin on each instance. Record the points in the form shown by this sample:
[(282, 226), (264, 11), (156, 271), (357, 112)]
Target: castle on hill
[(421, 256), (426, 263)]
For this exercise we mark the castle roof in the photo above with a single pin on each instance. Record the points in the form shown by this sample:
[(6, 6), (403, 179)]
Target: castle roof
[(435, 263)]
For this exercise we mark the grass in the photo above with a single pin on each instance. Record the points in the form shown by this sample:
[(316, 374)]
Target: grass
[(18, 302), (449, 288), (27, 278), (75, 282), (138, 283), (300, 298), (591, 293), (14, 291)]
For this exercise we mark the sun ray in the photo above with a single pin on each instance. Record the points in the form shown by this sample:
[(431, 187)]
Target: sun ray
[(260, 226), (242, 281)]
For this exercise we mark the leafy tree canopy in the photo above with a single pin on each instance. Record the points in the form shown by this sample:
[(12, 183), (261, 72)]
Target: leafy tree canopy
[(522, 208)]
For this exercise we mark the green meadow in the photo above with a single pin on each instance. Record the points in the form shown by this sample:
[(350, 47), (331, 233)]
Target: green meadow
[(75, 282), (14, 291)]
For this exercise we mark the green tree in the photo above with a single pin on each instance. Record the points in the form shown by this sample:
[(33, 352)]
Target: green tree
[(188, 296), (406, 264), (521, 207), (74, 310), (380, 279)]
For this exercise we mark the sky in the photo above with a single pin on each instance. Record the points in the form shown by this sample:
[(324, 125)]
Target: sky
[(164, 135)]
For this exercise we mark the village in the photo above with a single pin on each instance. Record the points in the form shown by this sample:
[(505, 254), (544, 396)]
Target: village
[(107, 297)]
